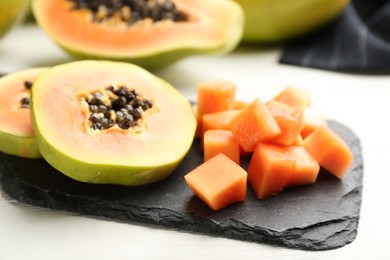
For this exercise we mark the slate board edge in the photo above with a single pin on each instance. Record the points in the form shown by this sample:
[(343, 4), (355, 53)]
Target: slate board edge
[(64, 203), (208, 227)]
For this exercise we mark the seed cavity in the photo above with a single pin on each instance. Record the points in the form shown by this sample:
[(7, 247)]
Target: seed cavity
[(25, 101), (130, 11), (115, 106)]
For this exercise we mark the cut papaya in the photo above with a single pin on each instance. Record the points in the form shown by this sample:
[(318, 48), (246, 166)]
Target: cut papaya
[(270, 169), (220, 141), (329, 150), (16, 132), (306, 168), (219, 182), (296, 97), (215, 96), (289, 119), (218, 120), (254, 124), (110, 122), (148, 33), (313, 119)]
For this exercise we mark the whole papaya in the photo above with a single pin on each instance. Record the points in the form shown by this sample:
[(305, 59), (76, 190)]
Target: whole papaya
[(11, 11), (279, 20)]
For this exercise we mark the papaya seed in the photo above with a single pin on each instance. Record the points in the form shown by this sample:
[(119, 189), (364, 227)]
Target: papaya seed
[(130, 11), (115, 107)]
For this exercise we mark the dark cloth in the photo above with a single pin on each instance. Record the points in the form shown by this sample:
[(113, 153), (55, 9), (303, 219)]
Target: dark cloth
[(358, 41)]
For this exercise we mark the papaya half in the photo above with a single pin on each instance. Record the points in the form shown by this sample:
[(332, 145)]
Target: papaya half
[(16, 132), (110, 122), (268, 21), (149, 33), (11, 12)]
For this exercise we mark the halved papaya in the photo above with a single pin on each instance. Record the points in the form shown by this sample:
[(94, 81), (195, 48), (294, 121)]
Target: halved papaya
[(16, 131), (148, 33), (110, 122)]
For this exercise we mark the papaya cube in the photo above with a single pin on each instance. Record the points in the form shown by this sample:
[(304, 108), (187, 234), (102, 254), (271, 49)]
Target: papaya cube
[(218, 120), (330, 151), (239, 104), (313, 119), (218, 182), (221, 141), (298, 141), (270, 169), (306, 168), (254, 124), (289, 119), (214, 96), (299, 98)]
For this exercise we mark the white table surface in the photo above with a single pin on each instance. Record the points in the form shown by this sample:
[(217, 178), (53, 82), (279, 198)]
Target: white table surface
[(361, 102)]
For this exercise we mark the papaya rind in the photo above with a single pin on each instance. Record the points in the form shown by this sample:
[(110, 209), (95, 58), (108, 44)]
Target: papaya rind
[(158, 58), (12, 12), (21, 146), (280, 20), (105, 173)]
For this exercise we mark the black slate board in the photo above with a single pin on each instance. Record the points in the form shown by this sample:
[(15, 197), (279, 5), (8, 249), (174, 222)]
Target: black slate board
[(315, 217)]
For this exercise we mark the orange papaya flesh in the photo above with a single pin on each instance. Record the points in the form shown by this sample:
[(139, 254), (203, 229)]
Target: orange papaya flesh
[(331, 152), (270, 169), (219, 182), (218, 120), (208, 27), (215, 96), (306, 167), (220, 141), (17, 136), (299, 98), (239, 104), (298, 141), (289, 119), (313, 119), (144, 154), (254, 124)]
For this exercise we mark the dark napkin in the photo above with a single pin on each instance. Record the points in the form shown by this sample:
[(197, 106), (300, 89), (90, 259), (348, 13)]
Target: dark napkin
[(358, 41)]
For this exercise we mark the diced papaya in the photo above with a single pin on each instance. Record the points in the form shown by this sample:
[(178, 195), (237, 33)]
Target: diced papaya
[(306, 168), (289, 119), (270, 169), (296, 97), (220, 141), (215, 96), (298, 141), (218, 182), (312, 120), (239, 104), (218, 120), (254, 124), (329, 150)]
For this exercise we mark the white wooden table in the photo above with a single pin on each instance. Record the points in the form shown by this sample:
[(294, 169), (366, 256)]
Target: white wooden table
[(361, 102)]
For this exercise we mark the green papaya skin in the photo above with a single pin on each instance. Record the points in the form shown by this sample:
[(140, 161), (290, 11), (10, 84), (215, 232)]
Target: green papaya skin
[(128, 167), (229, 29), (11, 12), (270, 21), (26, 147), (16, 135)]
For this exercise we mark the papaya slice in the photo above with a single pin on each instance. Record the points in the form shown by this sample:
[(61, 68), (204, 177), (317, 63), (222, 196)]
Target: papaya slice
[(151, 34), (110, 122), (329, 150), (296, 97), (289, 119), (219, 182), (16, 132), (220, 141), (218, 120), (254, 124)]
